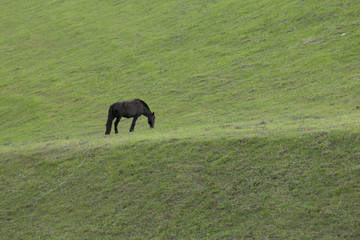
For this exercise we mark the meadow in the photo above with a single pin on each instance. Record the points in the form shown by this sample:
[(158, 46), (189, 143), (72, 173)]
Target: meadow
[(257, 119)]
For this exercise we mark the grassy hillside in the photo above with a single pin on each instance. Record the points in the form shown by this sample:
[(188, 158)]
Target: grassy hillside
[(249, 188), (195, 63), (256, 136)]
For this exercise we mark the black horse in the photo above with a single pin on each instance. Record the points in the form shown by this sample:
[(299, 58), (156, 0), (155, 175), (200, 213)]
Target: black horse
[(129, 109)]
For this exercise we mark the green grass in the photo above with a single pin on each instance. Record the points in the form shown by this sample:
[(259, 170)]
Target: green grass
[(194, 63), (304, 187), (256, 136)]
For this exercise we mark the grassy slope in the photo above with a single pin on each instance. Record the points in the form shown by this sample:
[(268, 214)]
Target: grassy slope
[(195, 63), (258, 188), (241, 91)]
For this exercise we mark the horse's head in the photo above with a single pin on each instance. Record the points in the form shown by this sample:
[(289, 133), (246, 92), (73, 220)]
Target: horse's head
[(151, 120)]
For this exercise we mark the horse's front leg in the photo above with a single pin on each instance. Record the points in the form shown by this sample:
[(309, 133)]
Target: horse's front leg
[(116, 124), (133, 123)]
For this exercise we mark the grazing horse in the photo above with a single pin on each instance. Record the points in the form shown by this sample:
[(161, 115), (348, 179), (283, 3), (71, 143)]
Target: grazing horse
[(129, 109)]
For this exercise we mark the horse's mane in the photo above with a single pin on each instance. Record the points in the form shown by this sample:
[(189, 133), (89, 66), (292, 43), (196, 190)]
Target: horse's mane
[(144, 103)]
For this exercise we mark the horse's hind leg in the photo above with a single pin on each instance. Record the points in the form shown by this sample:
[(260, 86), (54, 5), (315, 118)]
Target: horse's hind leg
[(116, 124)]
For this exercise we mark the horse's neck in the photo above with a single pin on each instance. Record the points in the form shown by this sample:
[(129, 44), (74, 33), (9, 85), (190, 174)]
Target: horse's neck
[(147, 112)]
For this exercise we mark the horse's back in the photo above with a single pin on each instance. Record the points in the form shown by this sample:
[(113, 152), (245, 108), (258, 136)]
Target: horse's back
[(129, 109)]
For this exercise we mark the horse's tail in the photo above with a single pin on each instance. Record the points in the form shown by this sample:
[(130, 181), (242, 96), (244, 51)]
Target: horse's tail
[(109, 120)]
